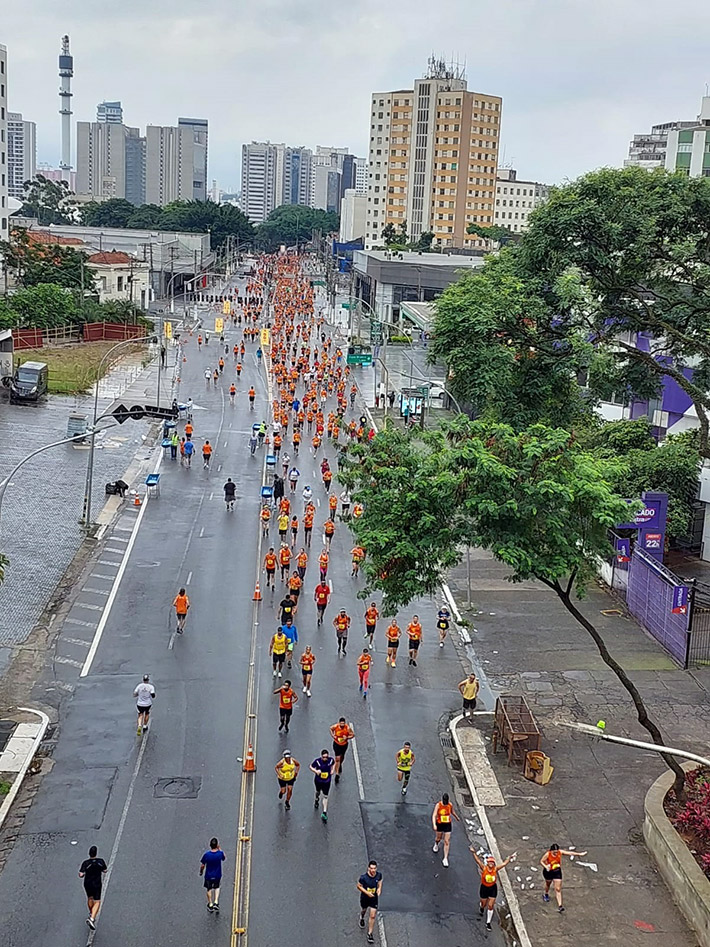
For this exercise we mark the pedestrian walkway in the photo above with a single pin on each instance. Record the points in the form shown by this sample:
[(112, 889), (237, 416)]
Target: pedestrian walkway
[(524, 642)]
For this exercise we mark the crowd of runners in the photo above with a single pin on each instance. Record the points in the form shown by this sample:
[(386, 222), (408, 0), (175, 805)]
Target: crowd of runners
[(313, 409)]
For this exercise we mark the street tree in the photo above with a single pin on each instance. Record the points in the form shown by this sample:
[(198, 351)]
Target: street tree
[(497, 235), (116, 212), (51, 202), (534, 498), (492, 331), (389, 234), (32, 262), (43, 306), (293, 224)]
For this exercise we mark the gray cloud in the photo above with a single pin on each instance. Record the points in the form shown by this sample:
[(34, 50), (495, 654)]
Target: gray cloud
[(577, 79)]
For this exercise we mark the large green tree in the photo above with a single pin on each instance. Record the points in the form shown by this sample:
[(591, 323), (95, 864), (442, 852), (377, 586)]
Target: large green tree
[(617, 257), (51, 202), (492, 331), (219, 220), (43, 306), (534, 498), (32, 262), (114, 213), (293, 224)]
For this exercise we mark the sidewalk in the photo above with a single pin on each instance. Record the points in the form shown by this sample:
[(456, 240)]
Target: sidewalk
[(524, 642)]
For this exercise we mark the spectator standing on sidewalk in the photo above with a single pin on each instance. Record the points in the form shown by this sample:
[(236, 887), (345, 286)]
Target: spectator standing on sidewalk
[(174, 444), (469, 691)]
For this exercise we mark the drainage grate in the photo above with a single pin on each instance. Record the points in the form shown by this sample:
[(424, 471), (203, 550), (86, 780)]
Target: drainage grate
[(446, 741), (177, 787)]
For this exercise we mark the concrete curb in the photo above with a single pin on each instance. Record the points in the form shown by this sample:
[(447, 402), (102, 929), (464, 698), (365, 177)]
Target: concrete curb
[(510, 894), (17, 782), (682, 874)]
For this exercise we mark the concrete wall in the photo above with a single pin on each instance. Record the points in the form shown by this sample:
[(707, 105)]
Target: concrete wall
[(681, 873)]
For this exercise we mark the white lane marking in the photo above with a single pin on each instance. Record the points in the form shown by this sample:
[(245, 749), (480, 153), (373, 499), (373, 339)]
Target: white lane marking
[(124, 816), (69, 688), (381, 929), (358, 771), (77, 641), (100, 575), (123, 529), (95, 591), (119, 539), (116, 583), (78, 621), (189, 578), (74, 664), (111, 549), (108, 562), (202, 532), (212, 495), (450, 599), (94, 608)]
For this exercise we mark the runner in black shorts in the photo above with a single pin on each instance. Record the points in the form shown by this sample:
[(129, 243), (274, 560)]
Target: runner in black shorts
[(92, 870), (370, 887), (551, 863), (286, 772), (488, 891), (323, 768), (342, 734)]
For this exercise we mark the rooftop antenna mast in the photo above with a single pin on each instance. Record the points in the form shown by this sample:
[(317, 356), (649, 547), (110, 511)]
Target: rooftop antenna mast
[(66, 71)]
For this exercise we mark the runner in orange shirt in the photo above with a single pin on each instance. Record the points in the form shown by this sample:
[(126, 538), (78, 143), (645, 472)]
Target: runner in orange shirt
[(329, 532), (358, 554), (341, 623), (308, 524), (284, 560), (302, 562), (441, 821), (181, 604), (364, 663), (394, 633), (287, 698), (414, 630), (323, 561), (270, 567), (371, 616)]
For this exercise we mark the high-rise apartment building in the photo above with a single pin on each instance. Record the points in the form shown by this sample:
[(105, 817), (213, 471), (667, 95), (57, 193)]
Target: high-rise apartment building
[(516, 200), (433, 158), (109, 113), (262, 165), (200, 134), (101, 159), (21, 153), (169, 164), (361, 175), (135, 167), (295, 185), (688, 149), (3, 138)]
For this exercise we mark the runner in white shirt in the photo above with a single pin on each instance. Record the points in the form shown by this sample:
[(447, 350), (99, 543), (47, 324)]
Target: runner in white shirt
[(144, 694)]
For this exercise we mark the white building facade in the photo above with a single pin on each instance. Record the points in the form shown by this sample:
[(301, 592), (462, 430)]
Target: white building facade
[(120, 277), (353, 215), (688, 149), (169, 164), (262, 166), (516, 200), (101, 160), (21, 153)]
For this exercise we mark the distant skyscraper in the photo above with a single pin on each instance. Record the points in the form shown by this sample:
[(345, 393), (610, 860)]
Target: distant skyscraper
[(297, 175), (199, 129), (135, 167), (169, 164), (433, 158), (262, 165), (101, 159), (3, 136), (361, 175), (109, 113), (21, 153)]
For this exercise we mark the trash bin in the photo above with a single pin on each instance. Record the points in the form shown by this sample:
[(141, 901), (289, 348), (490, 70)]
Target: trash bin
[(77, 426)]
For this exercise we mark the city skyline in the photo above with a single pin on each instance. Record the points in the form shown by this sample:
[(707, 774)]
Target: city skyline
[(575, 91)]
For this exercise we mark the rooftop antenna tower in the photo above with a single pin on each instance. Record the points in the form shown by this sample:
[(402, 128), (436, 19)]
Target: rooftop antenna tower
[(66, 71)]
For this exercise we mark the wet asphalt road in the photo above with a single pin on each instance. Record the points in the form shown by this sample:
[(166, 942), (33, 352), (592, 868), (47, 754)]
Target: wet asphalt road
[(152, 806)]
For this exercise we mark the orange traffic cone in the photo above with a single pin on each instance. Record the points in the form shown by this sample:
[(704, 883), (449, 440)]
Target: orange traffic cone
[(249, 762), (184, 358), (257, 593), (136, 500)]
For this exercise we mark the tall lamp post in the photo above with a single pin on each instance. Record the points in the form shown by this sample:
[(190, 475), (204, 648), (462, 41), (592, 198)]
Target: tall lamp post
[(86, 511)]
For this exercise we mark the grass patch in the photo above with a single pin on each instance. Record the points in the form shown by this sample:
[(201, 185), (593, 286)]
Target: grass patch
[(4, 788), (73, 368)]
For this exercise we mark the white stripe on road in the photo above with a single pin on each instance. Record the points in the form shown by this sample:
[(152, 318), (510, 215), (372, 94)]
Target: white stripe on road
[(78, 641), (71, 661), (189, 578), (95, 591), (100, 575), (358, 771), (78, 621), (116, 583)]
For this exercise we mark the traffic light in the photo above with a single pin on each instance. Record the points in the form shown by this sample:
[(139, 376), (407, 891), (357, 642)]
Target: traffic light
[(138, 411)]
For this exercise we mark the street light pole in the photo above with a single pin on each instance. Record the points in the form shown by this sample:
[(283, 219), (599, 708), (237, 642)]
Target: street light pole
[(86, 511), (599, 732)]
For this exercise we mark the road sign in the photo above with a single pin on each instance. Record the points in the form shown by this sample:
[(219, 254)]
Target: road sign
[(219, 326), (226, 308), (348, 305), (364, 358), (168, 328), (121, 413), (265, 338)]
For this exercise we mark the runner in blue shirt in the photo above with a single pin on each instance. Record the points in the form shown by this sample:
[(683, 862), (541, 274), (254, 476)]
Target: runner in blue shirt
[(211, 867), (323, 767), (189, 451), (291, 632)]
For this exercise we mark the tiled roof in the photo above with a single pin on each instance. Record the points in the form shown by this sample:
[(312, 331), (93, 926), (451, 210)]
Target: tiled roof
[(110, 256), (52, 239)]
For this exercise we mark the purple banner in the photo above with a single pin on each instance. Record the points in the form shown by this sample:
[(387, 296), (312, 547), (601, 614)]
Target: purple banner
[(680, 600), (623, 550)]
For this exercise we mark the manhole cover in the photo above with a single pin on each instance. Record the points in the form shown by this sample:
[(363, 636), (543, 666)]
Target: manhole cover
[(177, 787)]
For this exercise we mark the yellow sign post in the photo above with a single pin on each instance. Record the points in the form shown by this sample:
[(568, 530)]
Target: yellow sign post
[(219, 325), (265, 338), (168, 328), (227, 307)]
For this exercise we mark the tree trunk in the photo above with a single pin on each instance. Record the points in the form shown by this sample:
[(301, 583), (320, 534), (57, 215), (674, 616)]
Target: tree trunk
[(643, 718)]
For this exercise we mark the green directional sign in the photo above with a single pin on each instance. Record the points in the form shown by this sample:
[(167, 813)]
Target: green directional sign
[(348, 305)]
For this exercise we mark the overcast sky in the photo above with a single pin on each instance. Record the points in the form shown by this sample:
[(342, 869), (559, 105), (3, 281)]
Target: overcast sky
[(577, 78)]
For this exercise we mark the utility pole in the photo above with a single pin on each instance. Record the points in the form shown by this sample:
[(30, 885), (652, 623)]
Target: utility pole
[(172, 280)]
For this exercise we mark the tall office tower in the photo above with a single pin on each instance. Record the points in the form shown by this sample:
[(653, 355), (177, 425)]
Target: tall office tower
[(262, 170), (135, 167), (297, 175), (3, 136), (361, 175), (199, 129), (109, 113), (21, 153), (169, 163), (101, 160), (433, 158)]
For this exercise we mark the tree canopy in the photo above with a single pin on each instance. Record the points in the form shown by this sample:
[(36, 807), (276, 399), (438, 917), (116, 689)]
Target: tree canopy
[(293, 224), (32, 262), (51, 202), (615, 257)]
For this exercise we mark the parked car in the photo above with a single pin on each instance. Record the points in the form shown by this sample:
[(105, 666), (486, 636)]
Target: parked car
[(30, 382)]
